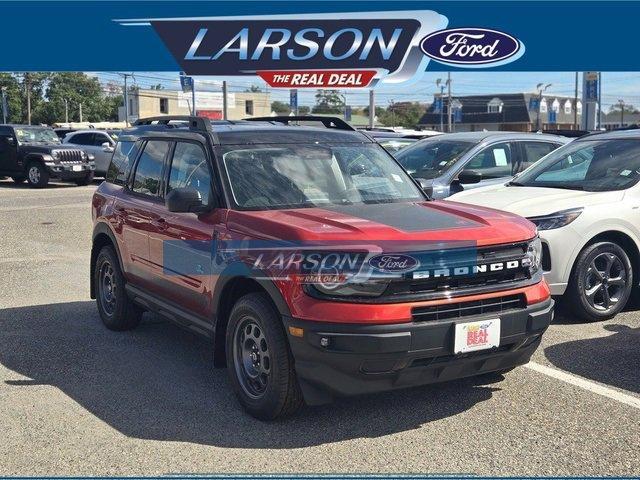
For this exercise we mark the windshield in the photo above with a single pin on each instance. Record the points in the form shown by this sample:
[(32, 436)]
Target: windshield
[(294, 176), (394, 145), (431, 158), (593, 165), (36, 135)]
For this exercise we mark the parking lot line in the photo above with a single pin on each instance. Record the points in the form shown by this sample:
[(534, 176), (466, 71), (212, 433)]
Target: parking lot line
[(585, 384)]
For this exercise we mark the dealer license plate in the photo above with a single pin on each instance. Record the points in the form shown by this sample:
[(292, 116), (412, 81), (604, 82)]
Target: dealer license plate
[(474, 336), (77, 168)]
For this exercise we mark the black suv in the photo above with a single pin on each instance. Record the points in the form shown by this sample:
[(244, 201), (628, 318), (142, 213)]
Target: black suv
[(35, 154)]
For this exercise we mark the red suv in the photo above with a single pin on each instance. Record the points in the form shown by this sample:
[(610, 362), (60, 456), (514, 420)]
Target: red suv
[(314, 262)]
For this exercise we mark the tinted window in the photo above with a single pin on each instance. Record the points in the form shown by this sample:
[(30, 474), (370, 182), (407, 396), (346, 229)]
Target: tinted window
[(431, 158), (100, 138), (189, 170), (82, 139), (534, 151), (149, 170), (494, 161), (123, 156)]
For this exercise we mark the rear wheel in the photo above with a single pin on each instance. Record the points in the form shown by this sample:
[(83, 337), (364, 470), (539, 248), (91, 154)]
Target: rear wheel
[(601, 282), (116, 309), (259, 361), (37, 175)]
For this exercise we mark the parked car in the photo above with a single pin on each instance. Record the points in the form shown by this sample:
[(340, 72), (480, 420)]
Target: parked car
[(392, 142), (191, 221), (585, 200), (454, 162), (63, 132), (97, 142), (35, 154)]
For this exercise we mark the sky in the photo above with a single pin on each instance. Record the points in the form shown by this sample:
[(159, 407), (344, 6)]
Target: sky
[(615, 86)]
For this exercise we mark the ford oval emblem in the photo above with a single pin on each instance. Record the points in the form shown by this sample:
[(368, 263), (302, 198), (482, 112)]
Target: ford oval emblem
[(393, 263), (472, 47)]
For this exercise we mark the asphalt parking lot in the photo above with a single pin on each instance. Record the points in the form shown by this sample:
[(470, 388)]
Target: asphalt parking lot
[(76, 399)]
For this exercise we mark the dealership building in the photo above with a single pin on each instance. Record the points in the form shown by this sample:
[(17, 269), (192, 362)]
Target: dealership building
[(522, 112), (152, 103)]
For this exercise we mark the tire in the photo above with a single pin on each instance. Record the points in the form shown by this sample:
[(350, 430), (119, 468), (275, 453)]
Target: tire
[(116, 310), (600, 284), (37, 175), (84, 181), (260, 364), (18, 179)]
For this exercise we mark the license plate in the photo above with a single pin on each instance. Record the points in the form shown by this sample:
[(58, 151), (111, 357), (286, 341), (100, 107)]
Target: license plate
[(474, 336), (77, 168)]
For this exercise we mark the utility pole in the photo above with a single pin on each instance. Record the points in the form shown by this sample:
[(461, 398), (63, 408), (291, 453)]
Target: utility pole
[(27, 87), (4, 105), (372, 109), (449, 100), (66, 111), (126, 99), (193, 96), (575, 106), (621, 103), (541, 87), (224, 100), (80, 111)]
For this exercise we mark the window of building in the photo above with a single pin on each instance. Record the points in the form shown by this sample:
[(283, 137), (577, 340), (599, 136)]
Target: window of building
[(164, 105), (579, 108), (567, 107), (555, 106), (495, 106), (248, 107), (543, 105), (148, 173), (189, 170)]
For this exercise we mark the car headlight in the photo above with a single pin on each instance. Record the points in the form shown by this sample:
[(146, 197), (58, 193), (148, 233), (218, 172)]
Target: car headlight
[(556, 220), (534, 255), (90, 156)]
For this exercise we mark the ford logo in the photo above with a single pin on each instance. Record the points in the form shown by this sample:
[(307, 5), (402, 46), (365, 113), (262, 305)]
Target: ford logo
[(393, 263), (472, 47)]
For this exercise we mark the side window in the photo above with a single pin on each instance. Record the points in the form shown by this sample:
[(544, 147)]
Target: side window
[(148, 173), (495, 161), (123, 156), (4, 142), (82, 139), (99, 139), (534, 151), (189, 170)]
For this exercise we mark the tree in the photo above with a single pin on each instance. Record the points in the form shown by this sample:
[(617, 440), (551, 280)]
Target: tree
[(404, 114), (76, 88), (280, 108), (253, 89), (34, 83), (304, 110), (14, 97), (628, 108), (328, 101)]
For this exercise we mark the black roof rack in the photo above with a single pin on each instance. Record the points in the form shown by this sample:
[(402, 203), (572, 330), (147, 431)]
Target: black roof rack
[(328, 122), (200, 124)]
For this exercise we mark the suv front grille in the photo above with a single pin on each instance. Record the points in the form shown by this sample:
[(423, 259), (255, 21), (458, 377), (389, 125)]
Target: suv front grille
[(69, 156), (470, 308)]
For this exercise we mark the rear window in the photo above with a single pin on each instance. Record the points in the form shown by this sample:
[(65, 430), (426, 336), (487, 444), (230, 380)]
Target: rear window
[(120, 166)]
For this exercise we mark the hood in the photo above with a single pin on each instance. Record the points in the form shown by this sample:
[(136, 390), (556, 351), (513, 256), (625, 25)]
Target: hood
[(534, 201), (47, 148), (405, 222)]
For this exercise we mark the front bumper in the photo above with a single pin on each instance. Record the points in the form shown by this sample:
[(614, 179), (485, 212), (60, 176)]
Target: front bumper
[(361, 359), (70, 171)]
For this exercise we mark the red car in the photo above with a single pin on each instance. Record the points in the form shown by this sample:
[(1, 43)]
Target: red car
[(312, 259)]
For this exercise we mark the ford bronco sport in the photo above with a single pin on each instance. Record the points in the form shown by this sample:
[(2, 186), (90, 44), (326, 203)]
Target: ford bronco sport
[(35, 154), (311, 259)]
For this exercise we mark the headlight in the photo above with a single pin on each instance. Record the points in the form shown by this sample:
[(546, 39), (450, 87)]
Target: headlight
[(534, 254), (365, 289), (90, 156), (556, 220)]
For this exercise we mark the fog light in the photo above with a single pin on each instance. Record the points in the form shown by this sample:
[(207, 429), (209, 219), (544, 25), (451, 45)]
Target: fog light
[(324, 342)]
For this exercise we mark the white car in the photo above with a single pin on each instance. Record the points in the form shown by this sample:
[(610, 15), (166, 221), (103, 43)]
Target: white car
[(98, 142), (585, 200)]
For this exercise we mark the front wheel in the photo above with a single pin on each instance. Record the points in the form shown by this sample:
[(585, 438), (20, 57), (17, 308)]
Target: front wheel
[(601, 283), (259, 361), (37, 175)]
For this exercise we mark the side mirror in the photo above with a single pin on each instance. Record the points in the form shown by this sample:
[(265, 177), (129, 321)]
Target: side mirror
[(469, 176), (106, 146), (185, 200)]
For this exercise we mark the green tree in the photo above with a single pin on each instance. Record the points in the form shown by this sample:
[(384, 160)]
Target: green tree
[(328, 101), (280, 108), (14, 97), (404, 114), (304, 110), (628, 108)]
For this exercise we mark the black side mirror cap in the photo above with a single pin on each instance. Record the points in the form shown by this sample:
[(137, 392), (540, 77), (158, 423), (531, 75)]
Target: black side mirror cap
[(470, 176), (185, 200)]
